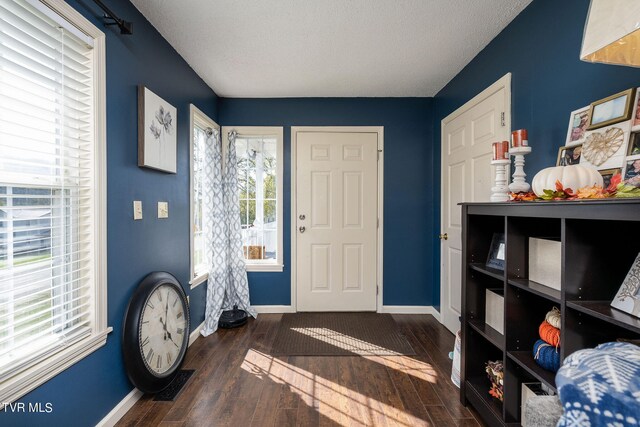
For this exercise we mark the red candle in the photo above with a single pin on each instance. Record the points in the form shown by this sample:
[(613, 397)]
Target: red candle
[(519, 138), (501, 150)]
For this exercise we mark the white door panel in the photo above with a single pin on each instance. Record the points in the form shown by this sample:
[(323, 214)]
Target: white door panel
[(467, 177), (336, 204)]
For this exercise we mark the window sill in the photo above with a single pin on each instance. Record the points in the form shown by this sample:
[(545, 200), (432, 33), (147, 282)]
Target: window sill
[(16, 387), (265, 268), (197, 281)]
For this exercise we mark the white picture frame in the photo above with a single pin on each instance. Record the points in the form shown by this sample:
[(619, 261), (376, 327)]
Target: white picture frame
[(578, 122), (157, 132)]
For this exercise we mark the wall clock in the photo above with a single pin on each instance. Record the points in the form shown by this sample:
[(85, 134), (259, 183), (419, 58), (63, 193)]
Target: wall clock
[(156, 332)]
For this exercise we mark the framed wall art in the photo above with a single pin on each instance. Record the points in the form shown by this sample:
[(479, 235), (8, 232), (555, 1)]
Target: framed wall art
[(628, 297), (578, 122), (606, 148), (612, 109), (157, 136), (569, 155), (632, 172)]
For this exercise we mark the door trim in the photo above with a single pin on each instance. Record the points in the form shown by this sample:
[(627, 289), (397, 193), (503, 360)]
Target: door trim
[(294, 234), (503, 83)]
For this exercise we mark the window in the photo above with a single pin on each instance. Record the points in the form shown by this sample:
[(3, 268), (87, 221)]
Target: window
[(200, 125), (52, 192), (259, 156)]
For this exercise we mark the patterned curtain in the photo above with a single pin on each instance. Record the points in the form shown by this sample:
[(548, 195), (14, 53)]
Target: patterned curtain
[(227, 285)]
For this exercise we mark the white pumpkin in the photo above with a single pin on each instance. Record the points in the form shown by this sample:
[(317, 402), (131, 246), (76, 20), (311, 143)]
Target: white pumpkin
[(573, 177)]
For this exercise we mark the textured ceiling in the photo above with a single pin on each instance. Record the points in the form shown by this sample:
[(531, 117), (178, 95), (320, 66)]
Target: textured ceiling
[(327, 48)]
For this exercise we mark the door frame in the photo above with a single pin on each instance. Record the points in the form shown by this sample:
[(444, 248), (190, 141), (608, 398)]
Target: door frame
[(502, 83), (294, 234)]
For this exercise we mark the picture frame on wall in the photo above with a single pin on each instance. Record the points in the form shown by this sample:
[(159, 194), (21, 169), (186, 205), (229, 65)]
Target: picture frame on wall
[(632, 172), (636, 116), (606, 147), (607, 174), (568, 156), (497, 252), (578, 122), (612, 109), (157, 133), (628, 297), (634, 144)]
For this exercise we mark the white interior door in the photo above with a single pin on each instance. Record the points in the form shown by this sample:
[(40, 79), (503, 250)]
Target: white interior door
[(467, 176), (336, 220)]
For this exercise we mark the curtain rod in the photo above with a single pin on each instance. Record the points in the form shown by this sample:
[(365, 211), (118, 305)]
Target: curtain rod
[(126, 27)]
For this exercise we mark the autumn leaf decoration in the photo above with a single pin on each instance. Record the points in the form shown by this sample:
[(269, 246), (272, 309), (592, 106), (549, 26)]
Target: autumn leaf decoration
[(561, 193)]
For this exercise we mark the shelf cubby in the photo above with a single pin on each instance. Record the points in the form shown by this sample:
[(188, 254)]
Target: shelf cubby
[(586, 328), (537, 289), (599, 241)]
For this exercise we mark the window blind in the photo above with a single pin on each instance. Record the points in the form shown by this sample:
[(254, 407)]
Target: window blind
[(47, 197)]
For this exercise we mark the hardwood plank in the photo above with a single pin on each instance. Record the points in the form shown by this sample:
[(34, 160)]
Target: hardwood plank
[(238, 382), (286, 417)]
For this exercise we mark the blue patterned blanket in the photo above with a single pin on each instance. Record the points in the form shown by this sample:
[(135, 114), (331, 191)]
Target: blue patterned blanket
[(601, 387)]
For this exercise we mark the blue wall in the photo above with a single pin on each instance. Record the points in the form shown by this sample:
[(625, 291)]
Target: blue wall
[(408, 187), (83, 394), (541, 49)]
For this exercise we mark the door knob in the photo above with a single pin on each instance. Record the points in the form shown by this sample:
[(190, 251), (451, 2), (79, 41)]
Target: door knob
[(302, 229), (443, 236), (302, 217)]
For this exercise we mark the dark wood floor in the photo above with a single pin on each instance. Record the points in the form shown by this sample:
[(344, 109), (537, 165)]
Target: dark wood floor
[(237, 382)]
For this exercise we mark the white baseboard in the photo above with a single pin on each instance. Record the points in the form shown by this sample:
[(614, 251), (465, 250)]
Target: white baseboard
[(195, 334), (120, 409), (411, 309), (130, 399), (273, 309)]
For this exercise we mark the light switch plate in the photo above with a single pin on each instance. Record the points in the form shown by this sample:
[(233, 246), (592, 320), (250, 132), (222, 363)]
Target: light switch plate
[(137, 209), (163, 209)]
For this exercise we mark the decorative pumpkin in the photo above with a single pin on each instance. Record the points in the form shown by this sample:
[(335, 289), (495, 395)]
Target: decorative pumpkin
[(573, 177)]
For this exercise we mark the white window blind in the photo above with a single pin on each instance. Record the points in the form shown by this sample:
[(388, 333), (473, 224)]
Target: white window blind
[(47, 187)]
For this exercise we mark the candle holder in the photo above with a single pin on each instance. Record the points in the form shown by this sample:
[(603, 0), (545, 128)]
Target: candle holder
[(519, 184), (500, 192)]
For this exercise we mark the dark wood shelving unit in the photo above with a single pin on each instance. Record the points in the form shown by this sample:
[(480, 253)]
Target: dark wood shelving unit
[(490, 334), (525, 360), (543, 291), (602, 310), (599, 242), (491, 272)]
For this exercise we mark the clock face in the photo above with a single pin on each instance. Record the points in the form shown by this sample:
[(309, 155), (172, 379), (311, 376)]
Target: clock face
[(162, 329)]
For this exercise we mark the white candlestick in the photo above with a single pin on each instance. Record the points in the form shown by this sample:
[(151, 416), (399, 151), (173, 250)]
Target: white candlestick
[(519, 184), (500, 192)]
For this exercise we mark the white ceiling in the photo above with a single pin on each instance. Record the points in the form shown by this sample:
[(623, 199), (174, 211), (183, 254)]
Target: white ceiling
[(327, 48)]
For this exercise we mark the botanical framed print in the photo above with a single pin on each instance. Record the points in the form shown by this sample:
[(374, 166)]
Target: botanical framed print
[(497, 252), (569, 155), (157, 136), (607, 174), (632, 172), (612, 109), (628, 297), (578, 122)]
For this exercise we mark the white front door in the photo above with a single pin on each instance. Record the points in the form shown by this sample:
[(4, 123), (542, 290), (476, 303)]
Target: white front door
[(336, 220), (467, 176)]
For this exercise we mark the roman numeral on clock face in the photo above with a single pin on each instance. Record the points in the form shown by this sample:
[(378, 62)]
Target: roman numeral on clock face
[(179, 315), (150, 356), (158, 362), (151, 306), (160, 296), (174, 303), (180, 331), (145, 342), (168, 358)]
